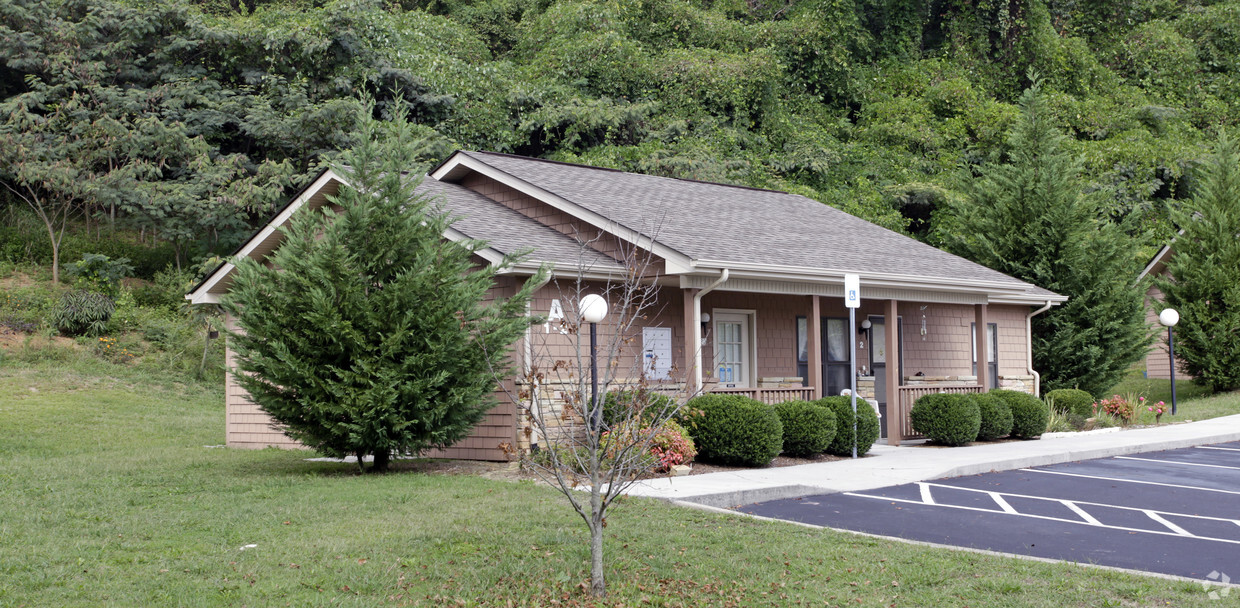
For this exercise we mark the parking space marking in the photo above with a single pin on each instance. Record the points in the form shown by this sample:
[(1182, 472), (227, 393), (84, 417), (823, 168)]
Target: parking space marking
[(1149, 483), (1180, 462), (1076, 506), (1214, 447)]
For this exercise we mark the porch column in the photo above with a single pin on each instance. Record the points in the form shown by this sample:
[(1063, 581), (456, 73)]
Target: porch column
[(979, 346), (693, 342), (813, 344), (895, 408)]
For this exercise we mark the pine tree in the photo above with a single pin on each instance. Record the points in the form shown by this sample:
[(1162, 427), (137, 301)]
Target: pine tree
[(1027, 217), (369, 334), (1204, 274)]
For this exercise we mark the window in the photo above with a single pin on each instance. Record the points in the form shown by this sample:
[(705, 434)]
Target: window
[(992, 348), (733, 344)]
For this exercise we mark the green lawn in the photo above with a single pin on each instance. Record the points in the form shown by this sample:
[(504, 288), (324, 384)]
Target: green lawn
[(1193, 402), (108, 496)]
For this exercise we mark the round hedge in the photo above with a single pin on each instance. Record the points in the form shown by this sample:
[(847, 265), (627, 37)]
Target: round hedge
[(946, 418), (621, 405), (735, 430), (1072, 401), (867, 425), (808, 428), (1029, 414), (996, 417)]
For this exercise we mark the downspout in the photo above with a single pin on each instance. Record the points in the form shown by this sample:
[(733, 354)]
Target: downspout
[(1037, 378), (527, 365), (697, 328)]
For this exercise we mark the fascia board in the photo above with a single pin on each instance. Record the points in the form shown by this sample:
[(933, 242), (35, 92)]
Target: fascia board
[(879, 279), (1158, 259), (676, 261)]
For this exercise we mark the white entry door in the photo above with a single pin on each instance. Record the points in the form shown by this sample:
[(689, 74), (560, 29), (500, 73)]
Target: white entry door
[(732, 361)]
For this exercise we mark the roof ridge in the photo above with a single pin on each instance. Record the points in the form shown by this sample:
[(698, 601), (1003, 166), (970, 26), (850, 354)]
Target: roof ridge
[(612, 170)]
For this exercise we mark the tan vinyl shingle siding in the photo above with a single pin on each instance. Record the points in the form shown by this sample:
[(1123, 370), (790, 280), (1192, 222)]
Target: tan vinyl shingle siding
[(1158, 360)]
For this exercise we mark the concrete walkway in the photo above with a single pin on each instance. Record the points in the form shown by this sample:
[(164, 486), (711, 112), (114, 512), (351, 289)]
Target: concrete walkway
[(890, 465)]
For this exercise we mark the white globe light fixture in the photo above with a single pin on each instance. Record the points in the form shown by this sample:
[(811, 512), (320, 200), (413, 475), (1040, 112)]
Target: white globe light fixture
[(1169, 317), (593, 308)]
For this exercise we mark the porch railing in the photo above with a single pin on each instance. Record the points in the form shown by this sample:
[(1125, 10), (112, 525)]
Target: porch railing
[(771, 395), (910, 394)]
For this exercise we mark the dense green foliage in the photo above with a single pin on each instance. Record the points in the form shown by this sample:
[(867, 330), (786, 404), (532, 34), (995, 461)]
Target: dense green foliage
[(735, 430), (635, 404), (946, 418), (1028, 216), (996, 417), (1029, 414), (808, 428), (1071, 401), (866, 422), (82, 313), (1204, 281), (339, 341)]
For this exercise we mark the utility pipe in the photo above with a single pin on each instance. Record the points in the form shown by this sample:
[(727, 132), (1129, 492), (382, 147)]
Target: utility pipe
[(527, 366), (1037, 378), (697, 328)]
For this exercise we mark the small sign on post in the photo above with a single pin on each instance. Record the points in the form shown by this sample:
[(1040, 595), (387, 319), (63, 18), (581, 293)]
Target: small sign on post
[(852, 299)]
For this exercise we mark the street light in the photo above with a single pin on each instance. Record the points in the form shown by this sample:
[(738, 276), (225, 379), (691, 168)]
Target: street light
[(593, 310), (1170, 317)]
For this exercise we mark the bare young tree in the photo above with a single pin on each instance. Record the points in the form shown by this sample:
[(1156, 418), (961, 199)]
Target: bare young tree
[(590, 452)]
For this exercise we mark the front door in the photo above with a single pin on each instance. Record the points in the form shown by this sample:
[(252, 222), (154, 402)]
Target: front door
[(878, 364), (836, 364)]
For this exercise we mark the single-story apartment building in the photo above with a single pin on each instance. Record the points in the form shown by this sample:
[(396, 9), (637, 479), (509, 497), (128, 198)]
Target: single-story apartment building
[(1158, 359), (755, 277)]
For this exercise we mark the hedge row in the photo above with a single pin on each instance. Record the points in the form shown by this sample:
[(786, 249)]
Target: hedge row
[(737, 430), (957, 419)]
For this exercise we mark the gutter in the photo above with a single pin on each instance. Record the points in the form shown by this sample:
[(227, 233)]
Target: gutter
[(697, 328), (527, 364), (1037, 378)]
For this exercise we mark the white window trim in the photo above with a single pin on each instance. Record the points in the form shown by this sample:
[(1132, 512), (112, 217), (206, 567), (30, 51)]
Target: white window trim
[(751, 327)]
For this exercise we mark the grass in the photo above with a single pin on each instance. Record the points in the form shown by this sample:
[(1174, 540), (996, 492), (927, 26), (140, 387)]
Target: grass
[(1193, 402), (109, 495)]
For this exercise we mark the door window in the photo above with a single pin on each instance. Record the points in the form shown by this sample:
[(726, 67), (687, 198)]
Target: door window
[(732, 362)]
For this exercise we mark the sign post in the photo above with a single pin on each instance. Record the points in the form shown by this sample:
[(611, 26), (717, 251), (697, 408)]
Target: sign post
[(852, 299)]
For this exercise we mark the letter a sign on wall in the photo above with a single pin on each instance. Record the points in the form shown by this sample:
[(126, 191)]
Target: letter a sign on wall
[(852, 290)]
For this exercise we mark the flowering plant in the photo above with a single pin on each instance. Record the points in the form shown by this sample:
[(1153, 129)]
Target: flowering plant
[(1159, 409), (672, 446), (1117, 407)]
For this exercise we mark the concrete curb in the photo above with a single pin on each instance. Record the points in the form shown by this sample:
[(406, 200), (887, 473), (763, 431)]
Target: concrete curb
[(734, 498)]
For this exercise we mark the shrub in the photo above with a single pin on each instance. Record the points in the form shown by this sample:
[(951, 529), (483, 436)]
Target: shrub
[(1118, 408), (672, 446), (947, 418), (736, 430), (1071, 401), (996, 417), (637, 403), (867, 425), (1029, 414), (97, 272), (808, 428), (82, 313)]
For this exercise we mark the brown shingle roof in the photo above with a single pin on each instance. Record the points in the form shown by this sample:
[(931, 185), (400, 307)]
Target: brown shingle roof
[(508, 232), (744, 225)]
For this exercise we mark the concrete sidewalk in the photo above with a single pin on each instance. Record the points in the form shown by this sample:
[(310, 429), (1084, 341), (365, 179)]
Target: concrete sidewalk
[(889, 465)]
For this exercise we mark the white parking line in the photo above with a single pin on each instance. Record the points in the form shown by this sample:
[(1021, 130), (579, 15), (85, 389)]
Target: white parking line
[(1045, 517), (925, 493), (1148, 483), (1187, 464), (1070, 504), (1215, 447), (1003, 504), (1170, 526), (1081, 512)]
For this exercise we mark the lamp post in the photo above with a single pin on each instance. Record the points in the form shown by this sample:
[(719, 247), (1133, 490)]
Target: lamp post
[(593, 310), (1170, 317)]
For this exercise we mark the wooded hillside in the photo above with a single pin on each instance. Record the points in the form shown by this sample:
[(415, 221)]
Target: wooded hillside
[(192, 121)]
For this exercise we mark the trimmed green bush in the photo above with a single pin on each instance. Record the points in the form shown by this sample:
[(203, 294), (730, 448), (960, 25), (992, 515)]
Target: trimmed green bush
[(1071, 401), (735, 430), (996, 417), (808, 428), (619, 406), (1029, 414), (82, 313), (946, 418), (867, 425)]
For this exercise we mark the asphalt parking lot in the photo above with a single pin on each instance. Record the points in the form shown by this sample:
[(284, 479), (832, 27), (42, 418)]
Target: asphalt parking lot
[(1173, 512)]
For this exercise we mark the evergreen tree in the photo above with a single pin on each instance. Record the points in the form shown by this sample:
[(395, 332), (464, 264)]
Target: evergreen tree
[(1203, 282), (1027, 217), (368, 333)]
